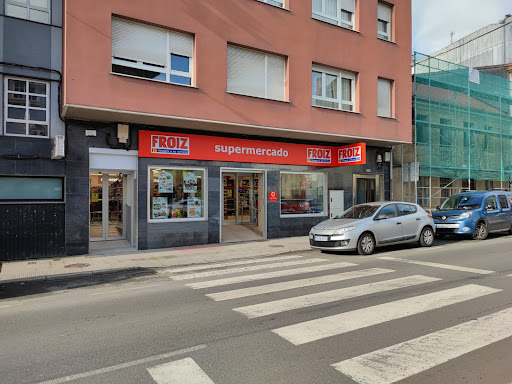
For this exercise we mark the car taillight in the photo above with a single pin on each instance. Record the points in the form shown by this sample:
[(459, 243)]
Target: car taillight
[(429, 215)]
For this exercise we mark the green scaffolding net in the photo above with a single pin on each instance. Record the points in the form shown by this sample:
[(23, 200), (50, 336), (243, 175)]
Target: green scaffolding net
[(463, 121)]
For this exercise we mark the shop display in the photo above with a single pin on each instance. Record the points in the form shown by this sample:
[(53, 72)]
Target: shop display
[(193, 207), (165, 182), (160, 208), (189, 182)]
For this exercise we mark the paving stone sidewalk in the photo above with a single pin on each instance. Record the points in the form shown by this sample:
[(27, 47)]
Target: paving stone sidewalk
[(66, 267)]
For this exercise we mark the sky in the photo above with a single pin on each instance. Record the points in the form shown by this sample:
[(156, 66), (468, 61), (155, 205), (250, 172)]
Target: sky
[(432, 20)]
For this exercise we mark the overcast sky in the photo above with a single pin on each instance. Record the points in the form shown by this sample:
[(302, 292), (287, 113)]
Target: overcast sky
[(432, 20)]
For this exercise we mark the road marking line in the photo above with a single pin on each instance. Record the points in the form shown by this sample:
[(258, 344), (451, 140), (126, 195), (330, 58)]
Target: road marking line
[(124, 365), (287, 285), (388, 365), (437, 265), (269, 308), (267, 275), (245, 269), (122, 290), (184, 371), (313, 330), (231, 263)]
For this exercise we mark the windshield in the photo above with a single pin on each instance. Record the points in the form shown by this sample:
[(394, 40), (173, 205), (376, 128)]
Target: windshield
[(462, 202), (359, 212)]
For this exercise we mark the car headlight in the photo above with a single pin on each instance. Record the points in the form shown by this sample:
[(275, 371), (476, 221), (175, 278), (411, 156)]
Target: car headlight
[(342, 231), (466, 215)]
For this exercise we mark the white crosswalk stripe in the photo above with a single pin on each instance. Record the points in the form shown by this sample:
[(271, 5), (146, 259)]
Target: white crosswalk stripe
[(437, 265), (267, 275), (231, 263), (403, 360), (310, 300), (185, 371), (313, 330), (287, 285), (245, 269)]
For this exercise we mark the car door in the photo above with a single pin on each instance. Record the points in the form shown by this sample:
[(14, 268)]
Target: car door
[(411, 221), (506, 212), (492, 213), (388, 228)]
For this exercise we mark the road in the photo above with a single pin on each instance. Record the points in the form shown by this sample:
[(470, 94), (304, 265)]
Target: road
[(408, 314)]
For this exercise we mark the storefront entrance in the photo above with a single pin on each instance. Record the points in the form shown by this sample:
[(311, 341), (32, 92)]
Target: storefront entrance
[(107, 207), (368, 188), (243, 203)]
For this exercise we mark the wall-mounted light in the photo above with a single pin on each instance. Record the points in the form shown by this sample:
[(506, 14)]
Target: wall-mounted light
[(378, 160)]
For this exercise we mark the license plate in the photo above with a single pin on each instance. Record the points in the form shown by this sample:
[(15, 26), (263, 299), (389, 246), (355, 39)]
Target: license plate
[(447, 225), (321, 238)]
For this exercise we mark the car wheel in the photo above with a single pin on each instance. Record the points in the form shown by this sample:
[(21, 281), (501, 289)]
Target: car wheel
[(426, 237), (481, 231), (366, 244)]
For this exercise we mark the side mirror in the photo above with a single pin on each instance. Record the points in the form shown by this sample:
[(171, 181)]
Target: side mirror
[(489, 207), (382, 216), (438, 207)]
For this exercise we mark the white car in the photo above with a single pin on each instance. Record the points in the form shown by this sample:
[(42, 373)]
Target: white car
[(366, 226)]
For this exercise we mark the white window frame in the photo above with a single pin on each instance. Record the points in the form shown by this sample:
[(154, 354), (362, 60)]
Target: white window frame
[(340, 74), (178, 220), (386, 35), (269, 2), (390, 97), (322, 16), (156, 68), (325, 211), (27, 106), (26, 4)]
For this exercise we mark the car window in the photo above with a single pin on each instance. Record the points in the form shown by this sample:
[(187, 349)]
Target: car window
[(358, 212), (406, 209), (462, 202), (491, 204), (503, 201), (388, 210)]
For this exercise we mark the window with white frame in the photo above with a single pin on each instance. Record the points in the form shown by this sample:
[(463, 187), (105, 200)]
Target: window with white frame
[(149, 52), (302, 193), (26, 107), (338, 12), (255, 73), (384, 13), (333, 88), (33, 10), (384, 97), (276, 3)]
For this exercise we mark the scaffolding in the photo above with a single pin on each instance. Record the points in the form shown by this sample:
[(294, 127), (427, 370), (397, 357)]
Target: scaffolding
[(462, 132)]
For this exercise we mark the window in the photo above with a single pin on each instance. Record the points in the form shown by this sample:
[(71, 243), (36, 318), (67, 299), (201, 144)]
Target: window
[(33, 10), (445, 184), (503, 202), (491, 204), (302, 193), (384, 97), (469, 185), (384, 13), (406, 209), (26, 107), (388, 210), (466, 134), (333, 88), (276, 3), (176, 194), (255, 73), (487, 138), (338, 12), (31, 188), (445, 134), (152, 53)]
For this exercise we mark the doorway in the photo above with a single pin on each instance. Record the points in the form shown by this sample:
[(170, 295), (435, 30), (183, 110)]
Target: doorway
[(107, 206), (243, 203), (368, 188)]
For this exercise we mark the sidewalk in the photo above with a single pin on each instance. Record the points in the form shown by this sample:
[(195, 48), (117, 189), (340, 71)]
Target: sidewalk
[(66, 267)]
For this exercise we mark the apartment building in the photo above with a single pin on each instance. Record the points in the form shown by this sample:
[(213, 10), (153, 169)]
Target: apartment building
[(196, 122), (32, 187)]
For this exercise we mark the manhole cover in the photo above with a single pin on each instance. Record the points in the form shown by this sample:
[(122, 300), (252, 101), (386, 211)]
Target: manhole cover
[(77, 265), (276, 246)]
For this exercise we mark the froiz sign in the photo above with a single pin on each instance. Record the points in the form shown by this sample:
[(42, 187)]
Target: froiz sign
[(176, 145), (319, 156), (352, 154)]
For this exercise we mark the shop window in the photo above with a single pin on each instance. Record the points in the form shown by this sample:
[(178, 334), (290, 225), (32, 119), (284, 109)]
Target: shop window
[(33, 10), (176, 194), (26, 107), (337, 12), (152, 53), (14, 188), (333, 88), (255, 73), (302, 193)]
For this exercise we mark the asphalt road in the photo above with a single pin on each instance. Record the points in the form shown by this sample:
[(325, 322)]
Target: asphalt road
[(420, 315)]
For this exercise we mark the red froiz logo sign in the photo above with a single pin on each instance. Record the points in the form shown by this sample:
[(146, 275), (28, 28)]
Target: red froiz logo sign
[(352, 154), (175, 145), (319, 156)]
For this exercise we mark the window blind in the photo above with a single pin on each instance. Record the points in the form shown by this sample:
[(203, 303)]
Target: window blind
[(181, 44), (348, 5), (384, 98), (384, 13)]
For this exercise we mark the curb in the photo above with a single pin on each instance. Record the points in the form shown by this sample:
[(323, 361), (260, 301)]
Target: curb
[(68, 275)]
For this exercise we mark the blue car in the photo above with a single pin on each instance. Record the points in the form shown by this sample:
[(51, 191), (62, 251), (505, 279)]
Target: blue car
[(474, 213)]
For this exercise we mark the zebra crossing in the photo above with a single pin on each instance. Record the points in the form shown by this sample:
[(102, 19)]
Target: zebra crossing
[(386, 365)]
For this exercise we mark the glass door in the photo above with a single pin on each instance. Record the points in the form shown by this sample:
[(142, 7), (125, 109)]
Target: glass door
[(106, 207), (247, 211)]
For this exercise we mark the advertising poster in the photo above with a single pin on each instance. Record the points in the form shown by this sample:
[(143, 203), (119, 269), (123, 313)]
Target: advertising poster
[(189, 182), (159, 207), (165, 182), (193, 207)]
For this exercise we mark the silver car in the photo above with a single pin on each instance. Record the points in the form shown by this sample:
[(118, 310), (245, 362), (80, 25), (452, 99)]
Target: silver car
[(366, 226)]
